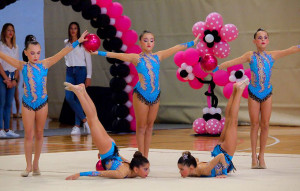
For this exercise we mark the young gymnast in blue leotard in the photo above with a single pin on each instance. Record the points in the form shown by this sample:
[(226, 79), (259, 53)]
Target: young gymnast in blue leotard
[(147, 90), (35, 98), (223, 152), (260, 90), (115, 165)]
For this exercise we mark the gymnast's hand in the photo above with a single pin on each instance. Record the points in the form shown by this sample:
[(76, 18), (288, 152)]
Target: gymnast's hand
[(221, 176), (82, 37), (73, 177), (94, 53), (197, 39)]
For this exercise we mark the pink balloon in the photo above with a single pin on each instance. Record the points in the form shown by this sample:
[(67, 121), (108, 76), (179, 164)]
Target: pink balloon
[(235, 68), (248, 73), (179, 77), (227, 91), (191, 56), (199, 28), (123, 23), (134, 49), (221, 49), (229, 32), (135, 80), (212, 126), (199, 126), (209, 62), (214, 21), (178, 58), (198, 72), (104, 3), (203, 49), (129, 37), (115, 10), (99, 166), (245, 93), (132, 69), (195, 84), (221, 77), (93, 42)]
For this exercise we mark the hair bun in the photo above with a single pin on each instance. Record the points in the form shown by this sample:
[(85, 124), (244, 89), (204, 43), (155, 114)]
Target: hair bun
[(188, 153), (137, 154)]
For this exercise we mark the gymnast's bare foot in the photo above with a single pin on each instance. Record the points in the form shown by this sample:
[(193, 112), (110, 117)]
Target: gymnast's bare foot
[(241, 85), (74, 88)]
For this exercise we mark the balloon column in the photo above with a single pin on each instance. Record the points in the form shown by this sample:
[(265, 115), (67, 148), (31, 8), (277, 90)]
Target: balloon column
[(193, 64), (114, 29)]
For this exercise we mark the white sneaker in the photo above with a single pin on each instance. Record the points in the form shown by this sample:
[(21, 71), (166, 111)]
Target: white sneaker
[(2, 134), (75, 131), (10, 133), (86, 128)]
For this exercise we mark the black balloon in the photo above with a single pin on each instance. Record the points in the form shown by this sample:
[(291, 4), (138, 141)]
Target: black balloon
[(92, 12), (107, 45), (116, 43), (101, 32), (66, 2), (120, 125), (117, 84), (120, 111), (120, 97), (111, 31), (75, 2), (113, 70), (123, 70)]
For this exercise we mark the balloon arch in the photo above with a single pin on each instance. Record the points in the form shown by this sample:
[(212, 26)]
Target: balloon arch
[(114, 29)]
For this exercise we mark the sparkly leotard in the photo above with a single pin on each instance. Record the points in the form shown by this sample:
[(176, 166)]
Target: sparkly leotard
[(35, 80), (219, 169), (260, 87), (147, 88), (111, 158)]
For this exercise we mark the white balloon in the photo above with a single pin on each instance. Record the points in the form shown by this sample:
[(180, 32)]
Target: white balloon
[(103, 10), (183, 66), (112, 21), (212, 110), (189, 69), (128, 88), (119, 34), (209, 38), (191, 76), (218, 110), (128, 104), (129, 118), (124, 47), (232, 78), (205, 110), (128, 79)]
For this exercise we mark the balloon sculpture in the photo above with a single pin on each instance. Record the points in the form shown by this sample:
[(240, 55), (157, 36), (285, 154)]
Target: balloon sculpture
[(93, 42), (193, 64)]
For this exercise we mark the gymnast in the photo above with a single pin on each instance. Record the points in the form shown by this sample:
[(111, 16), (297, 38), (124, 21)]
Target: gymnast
[(115, 166), (147, 91), (223, 152), (35, 98), (260, 90)]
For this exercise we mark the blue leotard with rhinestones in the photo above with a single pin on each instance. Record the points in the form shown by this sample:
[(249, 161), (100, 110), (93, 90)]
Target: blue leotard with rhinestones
[(148, 85), (111, 157), (260, 87), (35, 92)]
